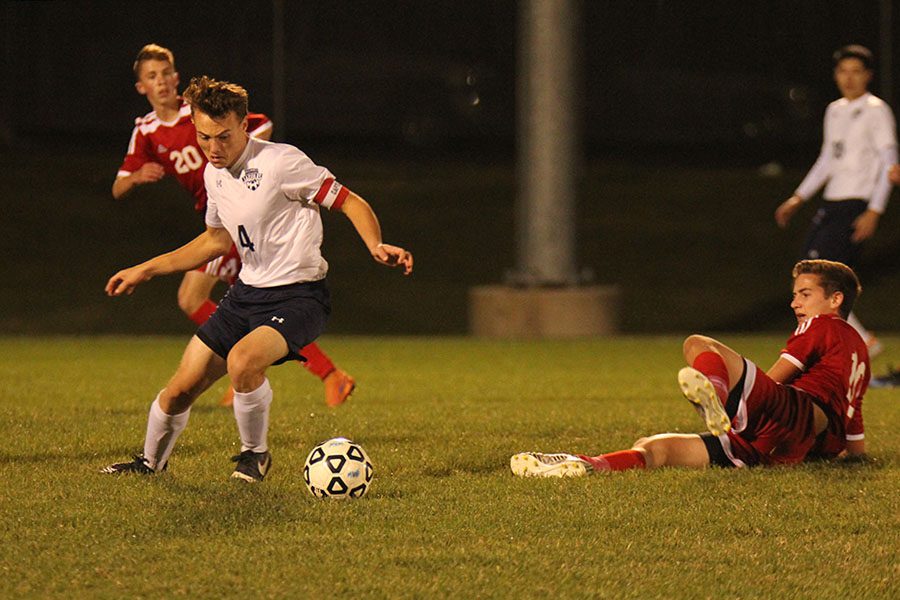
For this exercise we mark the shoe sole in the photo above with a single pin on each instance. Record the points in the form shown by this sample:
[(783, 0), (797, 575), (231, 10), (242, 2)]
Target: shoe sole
[(526, 465), (700, 392)]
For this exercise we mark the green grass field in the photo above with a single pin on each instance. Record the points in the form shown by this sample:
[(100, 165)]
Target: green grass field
[(440, 418)]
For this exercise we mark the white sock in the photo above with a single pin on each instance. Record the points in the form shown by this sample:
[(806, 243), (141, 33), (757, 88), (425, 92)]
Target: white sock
[(162, 431), (864, 333), (251, 411)]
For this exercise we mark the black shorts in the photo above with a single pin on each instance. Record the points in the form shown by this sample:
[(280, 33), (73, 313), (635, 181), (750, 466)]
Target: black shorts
[(297, 311), (832, 226)]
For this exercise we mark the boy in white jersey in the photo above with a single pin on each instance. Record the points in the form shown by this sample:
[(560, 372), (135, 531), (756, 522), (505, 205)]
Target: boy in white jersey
[(858, 147), (265, 198), (164, 143)]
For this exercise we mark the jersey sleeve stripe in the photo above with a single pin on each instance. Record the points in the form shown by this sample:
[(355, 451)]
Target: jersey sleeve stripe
[(793, 361), (331, 194), (856, 437), (341, 196), (323, 190)]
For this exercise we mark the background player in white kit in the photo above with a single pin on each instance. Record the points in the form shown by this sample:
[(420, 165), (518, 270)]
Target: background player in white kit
[(164, 142), (859, 145), (264, 197)]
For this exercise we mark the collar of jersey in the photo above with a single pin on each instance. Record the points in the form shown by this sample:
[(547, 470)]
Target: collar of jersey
[(241, 162), (858, 101)]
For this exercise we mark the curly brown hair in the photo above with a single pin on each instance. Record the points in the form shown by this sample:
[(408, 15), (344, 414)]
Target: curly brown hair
[(833, 277), (216, 98)]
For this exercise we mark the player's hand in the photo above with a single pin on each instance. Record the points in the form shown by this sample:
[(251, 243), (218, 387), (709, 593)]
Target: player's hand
[(393, 256), (126, 280), (148, 173), (864, 226), (894, 174), (786, 210)]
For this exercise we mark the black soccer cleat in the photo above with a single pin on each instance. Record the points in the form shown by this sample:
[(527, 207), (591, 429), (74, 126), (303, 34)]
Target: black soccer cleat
[(139, 465), (251, 466)]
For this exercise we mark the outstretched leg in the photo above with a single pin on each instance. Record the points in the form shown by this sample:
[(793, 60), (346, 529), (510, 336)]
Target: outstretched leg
[(200, 367), (662, 450)]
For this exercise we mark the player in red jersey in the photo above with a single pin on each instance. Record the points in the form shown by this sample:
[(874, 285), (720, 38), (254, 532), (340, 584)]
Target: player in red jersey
[(164, 143), (808, 405)]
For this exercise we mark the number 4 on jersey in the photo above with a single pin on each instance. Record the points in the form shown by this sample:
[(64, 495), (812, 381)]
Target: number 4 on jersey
[(244, 239)]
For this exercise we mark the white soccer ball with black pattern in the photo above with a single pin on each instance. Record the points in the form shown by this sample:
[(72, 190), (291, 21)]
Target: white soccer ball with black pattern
[(338, 468)]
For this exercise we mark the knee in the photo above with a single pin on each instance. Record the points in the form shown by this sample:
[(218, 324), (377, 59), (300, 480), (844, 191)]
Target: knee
[(175, 398), (189, 300), (245, 372), (696, 344), (652, 449)]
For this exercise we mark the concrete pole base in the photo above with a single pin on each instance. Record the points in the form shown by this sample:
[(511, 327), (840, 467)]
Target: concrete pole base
[(498, 311)]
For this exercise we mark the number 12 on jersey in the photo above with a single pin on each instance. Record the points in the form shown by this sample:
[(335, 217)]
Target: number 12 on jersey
[(244, 239)]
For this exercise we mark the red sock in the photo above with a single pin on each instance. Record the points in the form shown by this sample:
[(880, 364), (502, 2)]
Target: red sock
[(617, 461), (713, 366), (317, 362), (202, 314)]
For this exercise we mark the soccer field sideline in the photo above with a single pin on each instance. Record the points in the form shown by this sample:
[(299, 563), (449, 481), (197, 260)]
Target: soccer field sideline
[(439, 418)]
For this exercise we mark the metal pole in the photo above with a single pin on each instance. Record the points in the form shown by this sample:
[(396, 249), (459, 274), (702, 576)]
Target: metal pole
[(548, 170), (278, 111), (886, 51)]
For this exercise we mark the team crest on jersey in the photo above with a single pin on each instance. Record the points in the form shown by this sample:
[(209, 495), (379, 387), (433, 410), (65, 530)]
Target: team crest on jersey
[(251, 178), (160, 149)]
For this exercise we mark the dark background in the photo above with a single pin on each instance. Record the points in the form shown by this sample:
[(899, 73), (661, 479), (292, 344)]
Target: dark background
[(413, 105)]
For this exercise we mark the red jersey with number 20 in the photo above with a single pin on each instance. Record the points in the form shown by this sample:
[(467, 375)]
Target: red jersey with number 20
[(173, 144), (834, 362)]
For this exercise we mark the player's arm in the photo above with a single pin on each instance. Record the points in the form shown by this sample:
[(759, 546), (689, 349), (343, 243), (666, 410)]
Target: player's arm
[(855, 449), (864, 225), (211, 243), (366, 223), (783, 371), (812, 183), (148, 173)]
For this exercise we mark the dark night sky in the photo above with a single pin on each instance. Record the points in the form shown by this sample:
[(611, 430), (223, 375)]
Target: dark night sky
[(67, 64)]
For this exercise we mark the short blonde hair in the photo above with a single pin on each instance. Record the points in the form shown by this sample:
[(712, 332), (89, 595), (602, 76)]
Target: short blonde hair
[(152, 52)]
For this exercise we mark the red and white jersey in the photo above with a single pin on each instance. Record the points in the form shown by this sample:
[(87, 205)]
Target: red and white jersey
[(173, 144), (269, 202), (835, 369)]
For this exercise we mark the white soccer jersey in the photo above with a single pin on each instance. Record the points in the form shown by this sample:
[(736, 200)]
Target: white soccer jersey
[(269, 202), (858, 136)]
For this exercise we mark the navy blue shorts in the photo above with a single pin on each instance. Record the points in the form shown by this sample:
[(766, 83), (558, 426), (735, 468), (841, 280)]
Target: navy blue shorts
[(298, 312), (832, 226)]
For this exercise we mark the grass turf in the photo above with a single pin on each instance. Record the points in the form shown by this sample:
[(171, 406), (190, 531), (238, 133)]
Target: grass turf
[(439, 418)]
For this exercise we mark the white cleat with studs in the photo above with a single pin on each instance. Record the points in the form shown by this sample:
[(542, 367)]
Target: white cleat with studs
[(537, 464), (700, 392)]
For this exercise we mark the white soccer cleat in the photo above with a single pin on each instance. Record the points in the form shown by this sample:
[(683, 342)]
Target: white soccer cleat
[(536, 464), (700, 392)]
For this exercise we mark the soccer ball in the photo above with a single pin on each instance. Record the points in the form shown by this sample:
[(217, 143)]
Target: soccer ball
[(338, 468)]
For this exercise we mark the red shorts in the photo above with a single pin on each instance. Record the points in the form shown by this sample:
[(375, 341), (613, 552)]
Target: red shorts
[(226, 267), (773, 424)]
